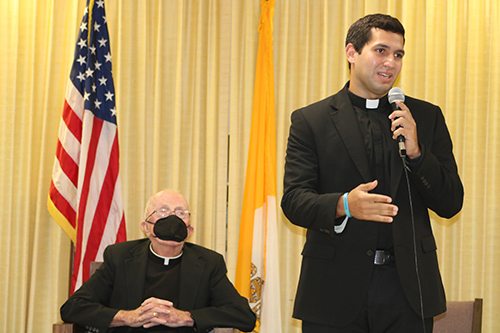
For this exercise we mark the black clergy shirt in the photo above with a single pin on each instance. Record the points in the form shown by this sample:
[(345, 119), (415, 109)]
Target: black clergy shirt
[(375, 127), (163, 282)]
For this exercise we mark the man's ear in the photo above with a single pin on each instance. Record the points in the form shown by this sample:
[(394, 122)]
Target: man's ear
[(190, 230), (351, 53), (144, 227)]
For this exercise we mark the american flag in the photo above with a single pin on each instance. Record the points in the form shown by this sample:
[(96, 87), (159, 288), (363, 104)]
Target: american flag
[(85, 195)]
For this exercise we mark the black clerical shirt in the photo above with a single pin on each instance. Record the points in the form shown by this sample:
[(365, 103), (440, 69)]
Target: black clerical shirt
[(162, 281), (375, 127)]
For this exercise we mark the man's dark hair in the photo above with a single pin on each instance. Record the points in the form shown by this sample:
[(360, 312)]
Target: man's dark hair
[(360, 31)]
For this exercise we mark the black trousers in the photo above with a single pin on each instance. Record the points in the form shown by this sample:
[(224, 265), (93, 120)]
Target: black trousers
[(386, 309)]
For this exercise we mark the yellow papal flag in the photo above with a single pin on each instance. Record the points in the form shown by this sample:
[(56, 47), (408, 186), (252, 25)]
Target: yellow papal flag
[(257, 270)]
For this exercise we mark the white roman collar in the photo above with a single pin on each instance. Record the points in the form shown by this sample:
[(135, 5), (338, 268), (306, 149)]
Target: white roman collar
[(167, 259), (372, 103)]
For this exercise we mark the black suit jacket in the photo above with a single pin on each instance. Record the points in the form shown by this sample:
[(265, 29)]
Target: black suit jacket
[(326, 157), (118, 284)]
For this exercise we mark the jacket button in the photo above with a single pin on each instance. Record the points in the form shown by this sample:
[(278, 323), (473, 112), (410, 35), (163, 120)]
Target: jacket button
[(369, 253)]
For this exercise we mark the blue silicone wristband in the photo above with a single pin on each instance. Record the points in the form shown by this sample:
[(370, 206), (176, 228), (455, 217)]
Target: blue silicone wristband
[(346, 205)]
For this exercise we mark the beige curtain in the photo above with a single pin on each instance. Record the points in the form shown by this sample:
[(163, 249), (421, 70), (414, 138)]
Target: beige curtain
[(184, 74)]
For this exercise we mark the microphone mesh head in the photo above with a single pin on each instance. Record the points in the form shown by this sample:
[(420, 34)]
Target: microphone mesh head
[(396, 94)]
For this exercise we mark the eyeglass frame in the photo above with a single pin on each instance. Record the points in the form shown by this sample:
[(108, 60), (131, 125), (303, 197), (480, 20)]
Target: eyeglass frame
[(175, 212)]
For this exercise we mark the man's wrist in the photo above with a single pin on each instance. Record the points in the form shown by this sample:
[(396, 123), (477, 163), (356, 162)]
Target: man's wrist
[(120, 319), (346, 204), (191, 322), (340, 208)]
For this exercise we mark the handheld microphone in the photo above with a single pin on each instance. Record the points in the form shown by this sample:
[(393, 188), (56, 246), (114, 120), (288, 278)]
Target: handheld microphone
[(397, 94)]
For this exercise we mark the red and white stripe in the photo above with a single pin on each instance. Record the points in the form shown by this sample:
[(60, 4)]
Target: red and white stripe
[(86, 186)]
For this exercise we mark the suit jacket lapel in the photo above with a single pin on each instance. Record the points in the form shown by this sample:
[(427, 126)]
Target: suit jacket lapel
[(135, 271), (346, 122), (191, 274)]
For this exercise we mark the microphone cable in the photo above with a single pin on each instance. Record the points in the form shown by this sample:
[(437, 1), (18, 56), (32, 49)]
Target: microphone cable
[(405, 168)]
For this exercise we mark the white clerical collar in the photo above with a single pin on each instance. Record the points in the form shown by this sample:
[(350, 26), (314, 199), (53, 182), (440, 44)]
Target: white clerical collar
[(167, 259), (372, 103)]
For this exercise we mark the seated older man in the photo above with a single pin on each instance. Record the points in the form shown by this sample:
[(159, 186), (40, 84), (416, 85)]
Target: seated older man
[(160, 283)]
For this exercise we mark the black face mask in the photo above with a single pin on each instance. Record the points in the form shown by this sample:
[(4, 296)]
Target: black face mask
[(171, 228)]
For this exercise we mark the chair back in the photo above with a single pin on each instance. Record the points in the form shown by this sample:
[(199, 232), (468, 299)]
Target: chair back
[(94, 265), (460, 317)]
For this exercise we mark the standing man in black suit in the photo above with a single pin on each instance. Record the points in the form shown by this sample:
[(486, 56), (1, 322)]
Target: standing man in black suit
[(160, 283), (369, 262)]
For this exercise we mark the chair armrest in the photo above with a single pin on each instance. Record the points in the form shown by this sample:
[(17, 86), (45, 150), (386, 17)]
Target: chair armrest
[(224, 330), (62, 327)]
